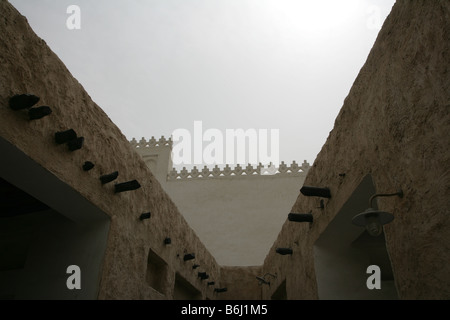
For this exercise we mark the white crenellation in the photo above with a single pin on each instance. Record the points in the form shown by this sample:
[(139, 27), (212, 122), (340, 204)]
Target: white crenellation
[(247, 171), (143, 143), (227, 171)]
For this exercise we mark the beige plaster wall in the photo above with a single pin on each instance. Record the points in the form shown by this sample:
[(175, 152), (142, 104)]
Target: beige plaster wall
[(237, 218), (29, 66), (241, 283), (394, 125)]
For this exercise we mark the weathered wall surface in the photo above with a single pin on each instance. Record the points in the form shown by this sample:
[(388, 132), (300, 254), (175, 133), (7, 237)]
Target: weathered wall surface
[(241, 283), (394, 125), (29, 66)]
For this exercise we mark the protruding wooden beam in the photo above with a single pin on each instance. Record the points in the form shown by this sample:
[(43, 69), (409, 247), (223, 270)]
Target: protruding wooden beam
[(88, 166), (23, 101), (315, 192), (145, 216), (284, 251), (39, 113), (76, 144), (65, 136), (126, 186), (189, 256), (109, 177), (300, 217)]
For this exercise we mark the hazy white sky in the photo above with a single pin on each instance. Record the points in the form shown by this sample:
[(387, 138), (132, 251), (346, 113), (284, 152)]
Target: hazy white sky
[(158, 65)]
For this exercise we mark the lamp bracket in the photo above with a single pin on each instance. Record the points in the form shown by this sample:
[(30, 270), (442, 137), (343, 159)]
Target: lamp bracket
[(399, 194)]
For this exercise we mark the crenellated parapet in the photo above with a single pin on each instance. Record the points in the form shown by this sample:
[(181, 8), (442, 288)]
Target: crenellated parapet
[(143, 143), (239, 171), (152, 151)]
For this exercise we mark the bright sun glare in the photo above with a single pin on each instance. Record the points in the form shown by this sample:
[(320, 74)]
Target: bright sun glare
[(315, 17)]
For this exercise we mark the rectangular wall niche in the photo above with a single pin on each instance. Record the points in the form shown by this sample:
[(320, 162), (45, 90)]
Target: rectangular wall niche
[(184, 290), (280, 293), (157, 272), (46, 226), (343, 252)]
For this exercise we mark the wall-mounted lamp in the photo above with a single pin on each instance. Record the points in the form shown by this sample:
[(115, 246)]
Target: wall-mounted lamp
[(284, 251), (300, 217), (373, 220), (315, 192), (220, 290), (145, 216), (189, 256)]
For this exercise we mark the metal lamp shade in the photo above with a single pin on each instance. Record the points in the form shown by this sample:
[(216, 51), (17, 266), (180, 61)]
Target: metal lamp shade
[(361, 218)]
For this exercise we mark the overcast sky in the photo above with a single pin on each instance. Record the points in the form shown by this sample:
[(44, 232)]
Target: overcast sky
[(158, 65)]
